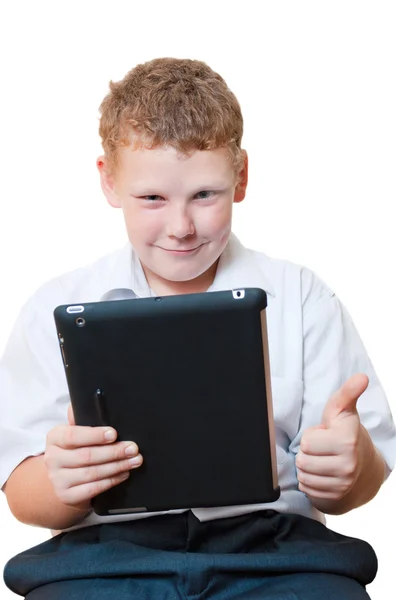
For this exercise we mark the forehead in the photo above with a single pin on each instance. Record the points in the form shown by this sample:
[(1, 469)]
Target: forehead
[(167, 162)]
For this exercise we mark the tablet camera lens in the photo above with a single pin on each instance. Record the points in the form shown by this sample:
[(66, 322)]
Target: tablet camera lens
[(80, 322), (238, 294)]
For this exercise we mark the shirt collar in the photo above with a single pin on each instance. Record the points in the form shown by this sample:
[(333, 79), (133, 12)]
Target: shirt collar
[(238, 268)]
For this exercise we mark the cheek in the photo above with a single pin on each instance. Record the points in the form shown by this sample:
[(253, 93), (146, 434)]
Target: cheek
[(216, 220), (141, 224)]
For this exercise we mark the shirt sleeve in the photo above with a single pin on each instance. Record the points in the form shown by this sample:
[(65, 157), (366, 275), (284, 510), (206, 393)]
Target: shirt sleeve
[(333, 351), (33, 388)]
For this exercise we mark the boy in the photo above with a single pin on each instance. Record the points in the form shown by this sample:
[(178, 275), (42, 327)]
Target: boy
[(171, 133)]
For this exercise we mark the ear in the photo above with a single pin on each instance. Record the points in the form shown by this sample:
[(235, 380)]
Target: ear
[(240, 190), (107, 182)]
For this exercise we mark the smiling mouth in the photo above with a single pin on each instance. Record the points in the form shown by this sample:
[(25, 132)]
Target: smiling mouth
[(183, 251)]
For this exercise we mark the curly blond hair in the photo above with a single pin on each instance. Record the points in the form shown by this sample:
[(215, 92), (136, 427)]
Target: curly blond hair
[(182, 103)]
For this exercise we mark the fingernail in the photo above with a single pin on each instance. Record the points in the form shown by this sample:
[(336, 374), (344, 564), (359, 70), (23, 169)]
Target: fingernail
[(110, 435), (131, 450), (135, 461)]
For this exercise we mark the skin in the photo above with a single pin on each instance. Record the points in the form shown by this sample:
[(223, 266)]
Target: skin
[(187, 204), (338, 466), (178, 212)]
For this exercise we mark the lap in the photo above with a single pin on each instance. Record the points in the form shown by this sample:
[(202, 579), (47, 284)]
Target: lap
[(262, 555), (303, 586), (306, 586)]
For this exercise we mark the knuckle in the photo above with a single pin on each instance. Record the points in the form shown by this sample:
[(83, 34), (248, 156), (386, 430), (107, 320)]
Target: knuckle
[(113, 481), (87, 474), (350, 445), (54, 435), (302, 478), (124, 465), (68, 435), (349, 469), (100, 486), (302, 488), (306, 490), (304, 444), (119, 467), (118, 452), (92, 473), (93, 489), (85, 455), (51, 457), (62, 491)]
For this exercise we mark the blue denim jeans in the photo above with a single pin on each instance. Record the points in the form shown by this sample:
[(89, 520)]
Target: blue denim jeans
[(261, 555)]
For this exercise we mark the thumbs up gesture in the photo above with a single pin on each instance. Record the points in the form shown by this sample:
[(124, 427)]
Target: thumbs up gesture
[(330, 458)]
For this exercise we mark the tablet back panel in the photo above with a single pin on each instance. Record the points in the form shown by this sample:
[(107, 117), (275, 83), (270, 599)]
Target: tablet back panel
[(183, 377)]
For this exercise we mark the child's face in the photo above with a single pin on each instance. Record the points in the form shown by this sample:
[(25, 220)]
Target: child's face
[(177, 209)]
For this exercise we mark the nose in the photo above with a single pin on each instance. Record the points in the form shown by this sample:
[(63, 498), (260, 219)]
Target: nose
[(180, 223)]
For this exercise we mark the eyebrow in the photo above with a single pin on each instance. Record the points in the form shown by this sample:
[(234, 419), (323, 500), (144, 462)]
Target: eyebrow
[(151, 190)]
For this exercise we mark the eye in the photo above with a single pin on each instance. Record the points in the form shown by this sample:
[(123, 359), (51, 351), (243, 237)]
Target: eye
[(204, 195), (152, 198)]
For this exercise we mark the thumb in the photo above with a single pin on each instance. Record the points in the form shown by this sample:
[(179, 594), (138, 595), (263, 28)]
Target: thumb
[(70, 415), (343, 401)]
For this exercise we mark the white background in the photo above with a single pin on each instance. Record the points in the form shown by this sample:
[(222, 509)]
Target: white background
[(316, 81)]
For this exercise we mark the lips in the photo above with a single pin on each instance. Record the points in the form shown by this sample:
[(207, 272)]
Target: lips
[(184, 249), (181, 250)]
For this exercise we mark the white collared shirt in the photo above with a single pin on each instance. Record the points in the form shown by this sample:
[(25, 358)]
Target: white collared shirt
[(313, 345)]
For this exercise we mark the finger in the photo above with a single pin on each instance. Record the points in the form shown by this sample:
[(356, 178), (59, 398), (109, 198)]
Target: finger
[(331, 494), (317, 482), (327, 466), (96, 455), (83, 475), (319, 441), (344, 400), (75, 436), (81, 493), (339, 439)]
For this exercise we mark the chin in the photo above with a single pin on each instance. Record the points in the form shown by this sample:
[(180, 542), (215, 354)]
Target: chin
[(182, 277)]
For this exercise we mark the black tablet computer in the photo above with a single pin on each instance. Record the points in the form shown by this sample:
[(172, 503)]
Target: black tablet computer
[(185, 377)]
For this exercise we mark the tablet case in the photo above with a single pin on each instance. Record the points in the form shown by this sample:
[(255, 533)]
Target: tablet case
[(187, 378)]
